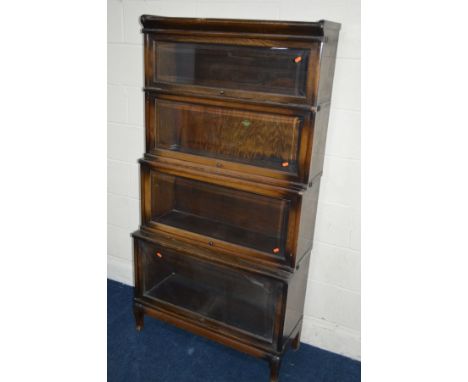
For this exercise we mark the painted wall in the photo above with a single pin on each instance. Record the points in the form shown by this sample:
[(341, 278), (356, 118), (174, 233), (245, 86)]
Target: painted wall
[(332, 312)]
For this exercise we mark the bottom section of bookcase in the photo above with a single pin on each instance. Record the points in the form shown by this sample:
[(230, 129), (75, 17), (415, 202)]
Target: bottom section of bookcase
[(247, 309)]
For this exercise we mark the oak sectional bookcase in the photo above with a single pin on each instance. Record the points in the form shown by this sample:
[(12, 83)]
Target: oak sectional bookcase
[(236, 124)]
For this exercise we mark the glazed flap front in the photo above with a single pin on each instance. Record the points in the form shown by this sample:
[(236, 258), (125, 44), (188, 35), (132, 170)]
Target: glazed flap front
[(270, 142), (244, 69), (254, 223), (244, 303)]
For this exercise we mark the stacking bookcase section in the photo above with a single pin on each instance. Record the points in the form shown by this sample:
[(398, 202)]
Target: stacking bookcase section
[(236, 115), (181, 282), (241, 219), (241, 301), (266, 141), (273, 71)]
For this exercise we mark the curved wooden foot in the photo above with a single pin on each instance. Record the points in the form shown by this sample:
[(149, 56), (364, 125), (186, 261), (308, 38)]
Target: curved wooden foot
[(296, 342), (139, 318), (275, 364)]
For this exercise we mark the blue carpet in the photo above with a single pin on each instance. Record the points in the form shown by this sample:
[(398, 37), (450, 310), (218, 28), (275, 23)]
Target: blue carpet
[(163, 353)]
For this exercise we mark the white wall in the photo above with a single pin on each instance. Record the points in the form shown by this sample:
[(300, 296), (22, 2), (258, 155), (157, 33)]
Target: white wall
[(332, 312)]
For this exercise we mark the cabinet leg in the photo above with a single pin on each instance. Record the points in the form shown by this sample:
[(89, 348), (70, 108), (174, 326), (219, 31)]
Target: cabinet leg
[(139, 318), (275, 364), (296, 342)]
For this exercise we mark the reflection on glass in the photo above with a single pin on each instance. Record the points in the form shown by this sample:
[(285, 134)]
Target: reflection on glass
[(260, 69), (238, 217), (238, 299)]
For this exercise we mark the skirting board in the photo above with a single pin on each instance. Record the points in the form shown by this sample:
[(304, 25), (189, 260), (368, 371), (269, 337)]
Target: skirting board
[(331, 337), (120, 270)]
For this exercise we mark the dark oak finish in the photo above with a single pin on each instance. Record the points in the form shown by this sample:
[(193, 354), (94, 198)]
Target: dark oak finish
[(270, 140), (236, 124), (244, 220)]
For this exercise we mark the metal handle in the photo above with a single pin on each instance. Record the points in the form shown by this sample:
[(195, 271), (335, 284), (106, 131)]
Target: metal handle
[(245, 123)]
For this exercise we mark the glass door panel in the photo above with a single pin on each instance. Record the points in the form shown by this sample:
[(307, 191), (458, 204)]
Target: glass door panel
[(245, 301), (276, 70), (238, 217), (265, 140)]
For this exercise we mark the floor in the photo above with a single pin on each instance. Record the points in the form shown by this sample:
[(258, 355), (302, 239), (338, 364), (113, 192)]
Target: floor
[(163, 353)]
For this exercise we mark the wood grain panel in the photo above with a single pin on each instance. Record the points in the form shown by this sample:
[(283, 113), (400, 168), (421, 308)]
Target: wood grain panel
[(266, 140)]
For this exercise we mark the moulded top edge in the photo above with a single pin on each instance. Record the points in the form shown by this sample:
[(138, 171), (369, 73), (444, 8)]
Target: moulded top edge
[(299, 28)]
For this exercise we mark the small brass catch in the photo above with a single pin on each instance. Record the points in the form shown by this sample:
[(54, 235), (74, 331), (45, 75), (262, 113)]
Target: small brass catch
[(285, 164), (298, 59), (159, 255), (276, 250)]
